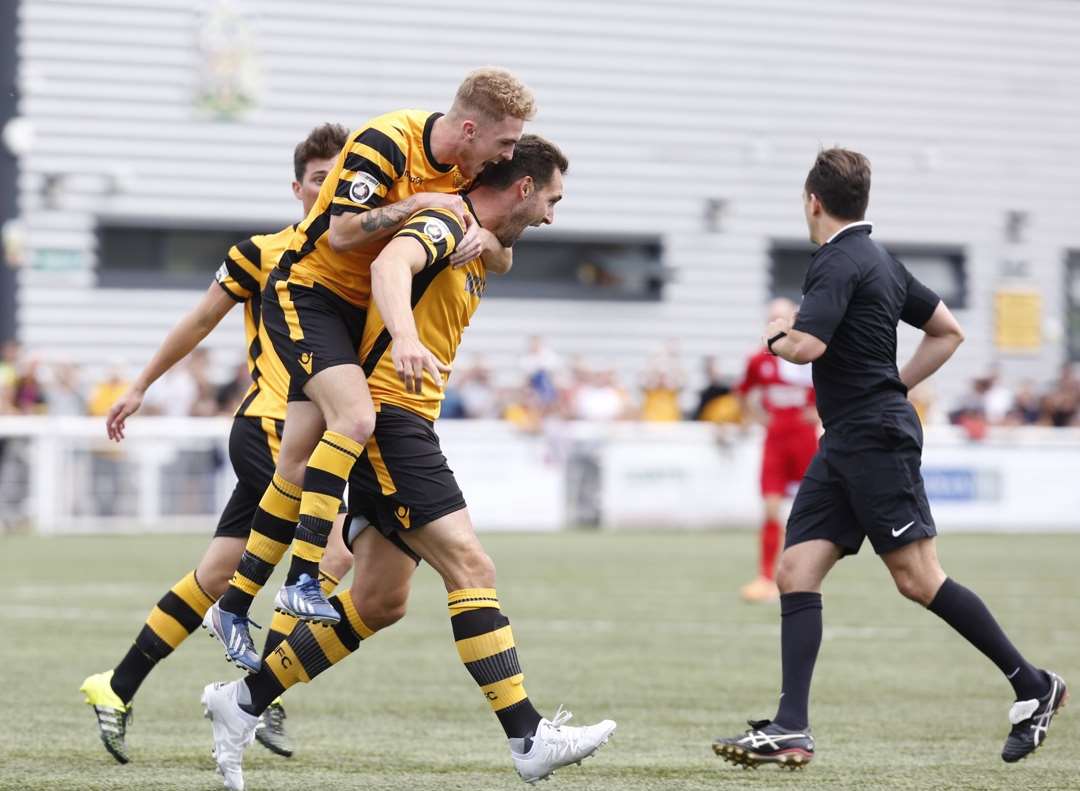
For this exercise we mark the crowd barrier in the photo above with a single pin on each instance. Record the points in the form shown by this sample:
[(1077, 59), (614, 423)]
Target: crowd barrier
[(61, 475)]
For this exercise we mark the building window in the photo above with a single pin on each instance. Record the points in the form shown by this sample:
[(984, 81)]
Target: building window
[(587, 267), (1072, 304), (144, 257), (591, 267), (941, 268)]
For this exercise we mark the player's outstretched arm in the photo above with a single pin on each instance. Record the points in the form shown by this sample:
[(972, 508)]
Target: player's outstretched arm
[(391, 288), (185, 336), (942, 336)]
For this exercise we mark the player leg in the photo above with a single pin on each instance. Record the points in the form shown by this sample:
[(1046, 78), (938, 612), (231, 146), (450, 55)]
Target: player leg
[(821, 529), (271, 531), (315, 336), (382, 577), (175, 616), (341, 393), (270, 732), (895, 510), (486, 646), (1039, 693), (773, 479), (180, 611)]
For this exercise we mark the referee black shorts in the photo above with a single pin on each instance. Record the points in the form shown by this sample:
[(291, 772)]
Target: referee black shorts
[(402, 482), (253, 449), (865, 482), (311, 329)]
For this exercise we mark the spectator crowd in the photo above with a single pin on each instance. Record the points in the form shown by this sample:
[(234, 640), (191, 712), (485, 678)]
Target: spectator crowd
[(545, 385)]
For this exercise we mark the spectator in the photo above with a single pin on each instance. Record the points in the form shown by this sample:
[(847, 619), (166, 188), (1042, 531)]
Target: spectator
[(660, 397), (1026, 408), (524, 409), (997, 398), (661, 385), (540, 365), (478, 397), (64, 396), (9, 360), (106, 392), (716, 401), (184, 391), (231, 394), (599, 396), (29, 390)]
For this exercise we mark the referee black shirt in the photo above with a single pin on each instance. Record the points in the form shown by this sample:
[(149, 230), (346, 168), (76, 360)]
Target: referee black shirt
[(854, 295)]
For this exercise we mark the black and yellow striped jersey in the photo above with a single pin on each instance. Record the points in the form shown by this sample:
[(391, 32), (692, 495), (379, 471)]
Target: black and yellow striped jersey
[(443, 302), (385, 161), (243, 275)]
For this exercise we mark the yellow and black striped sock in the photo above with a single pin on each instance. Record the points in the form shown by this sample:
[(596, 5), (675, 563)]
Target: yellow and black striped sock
[(486, 646), (282, 624), (305, 653), (272, 530), (324, 484), (174, 617)]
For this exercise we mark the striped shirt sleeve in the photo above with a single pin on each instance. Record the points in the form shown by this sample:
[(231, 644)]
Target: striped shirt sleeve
[(239, 272), (438, 231), (374, 159)]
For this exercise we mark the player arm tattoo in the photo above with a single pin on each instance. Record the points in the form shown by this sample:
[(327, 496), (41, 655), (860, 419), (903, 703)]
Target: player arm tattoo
[(390, 217)]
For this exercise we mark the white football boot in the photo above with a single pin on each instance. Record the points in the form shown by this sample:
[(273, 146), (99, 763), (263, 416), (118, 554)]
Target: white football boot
[(234, 729), (556, 744)]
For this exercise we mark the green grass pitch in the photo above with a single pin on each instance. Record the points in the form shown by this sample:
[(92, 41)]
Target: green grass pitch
[(643, 628)]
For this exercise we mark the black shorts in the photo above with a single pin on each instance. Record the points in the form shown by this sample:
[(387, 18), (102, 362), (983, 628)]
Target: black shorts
[(253, 447), (311, 329), (402, 480), (865, 482)]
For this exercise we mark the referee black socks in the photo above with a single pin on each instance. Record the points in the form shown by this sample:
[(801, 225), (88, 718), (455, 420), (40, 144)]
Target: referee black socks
[(965, 612), (800, 639)]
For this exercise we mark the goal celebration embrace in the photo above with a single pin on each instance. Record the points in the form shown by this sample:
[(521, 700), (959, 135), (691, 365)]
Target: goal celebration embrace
[(616, 395)]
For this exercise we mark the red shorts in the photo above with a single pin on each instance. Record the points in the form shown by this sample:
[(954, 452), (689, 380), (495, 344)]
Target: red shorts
[(788, 452)]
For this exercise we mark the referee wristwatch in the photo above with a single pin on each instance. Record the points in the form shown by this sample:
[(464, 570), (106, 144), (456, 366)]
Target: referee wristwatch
[(774, 339)]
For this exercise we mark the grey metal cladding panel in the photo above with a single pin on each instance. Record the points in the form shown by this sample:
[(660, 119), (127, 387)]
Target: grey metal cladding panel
[(967, 109)]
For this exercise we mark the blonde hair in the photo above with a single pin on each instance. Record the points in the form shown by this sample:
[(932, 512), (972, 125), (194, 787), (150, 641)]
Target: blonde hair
[(496, 93)]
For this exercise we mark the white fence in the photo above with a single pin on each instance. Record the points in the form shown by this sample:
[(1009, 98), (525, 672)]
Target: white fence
[(63, 476)]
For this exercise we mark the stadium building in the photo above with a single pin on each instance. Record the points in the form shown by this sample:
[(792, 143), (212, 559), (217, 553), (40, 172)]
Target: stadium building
[(152, 136)]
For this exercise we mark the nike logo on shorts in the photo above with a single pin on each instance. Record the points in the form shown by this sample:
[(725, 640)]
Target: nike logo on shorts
[(897, 532)]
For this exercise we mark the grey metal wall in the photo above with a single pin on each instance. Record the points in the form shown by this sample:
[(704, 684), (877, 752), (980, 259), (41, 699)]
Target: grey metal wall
[(968, 110)]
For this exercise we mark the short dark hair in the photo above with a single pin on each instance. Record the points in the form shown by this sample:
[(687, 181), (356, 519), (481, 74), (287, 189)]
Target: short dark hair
[(841, 180), (324, 142), (533, 156)]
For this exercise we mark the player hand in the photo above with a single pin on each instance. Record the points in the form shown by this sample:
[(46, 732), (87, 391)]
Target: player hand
[(450, 202), (411, 360), (775, 326), (475, 241), (125, 406)]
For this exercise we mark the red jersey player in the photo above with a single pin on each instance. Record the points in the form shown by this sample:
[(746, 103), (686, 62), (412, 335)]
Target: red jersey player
[(781, 395)]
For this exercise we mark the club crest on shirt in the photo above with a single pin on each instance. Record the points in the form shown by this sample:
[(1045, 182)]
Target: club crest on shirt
[(436, 230), (363, 186)]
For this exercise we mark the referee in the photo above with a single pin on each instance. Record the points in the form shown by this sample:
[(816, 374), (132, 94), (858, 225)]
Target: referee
[(865, 481)]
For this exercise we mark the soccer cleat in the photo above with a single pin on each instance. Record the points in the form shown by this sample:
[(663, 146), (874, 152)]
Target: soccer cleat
[(113, 715), (306, 601), (232, 630), (1031, 720), (234, 730), (270, 732), (759, 590), (766, 743), (556, 744)]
